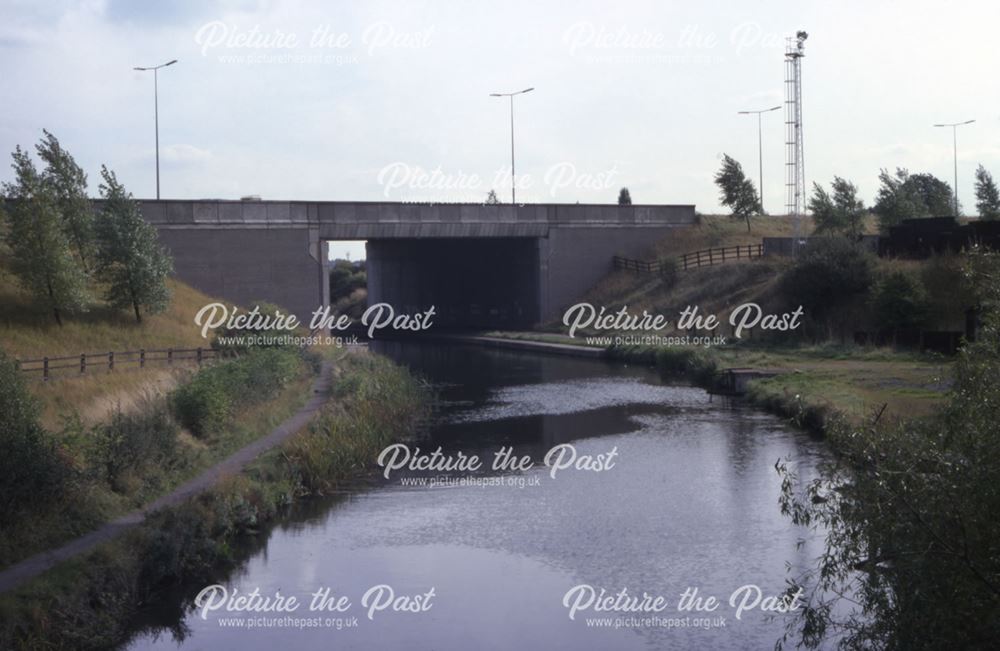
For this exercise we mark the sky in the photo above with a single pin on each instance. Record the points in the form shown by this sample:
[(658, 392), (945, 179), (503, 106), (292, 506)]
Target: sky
[(390, 100)]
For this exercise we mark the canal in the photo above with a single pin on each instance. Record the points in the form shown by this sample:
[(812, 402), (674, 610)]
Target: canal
[(669, 493)]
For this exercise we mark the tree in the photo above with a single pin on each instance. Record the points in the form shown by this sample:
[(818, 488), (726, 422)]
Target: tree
[(842, 213), (896, 200), (624, 197), (935, 194), (130, 258), (737, 191), (68, 184), (41, 256), (492, 199), (905, 196), (987, 197)]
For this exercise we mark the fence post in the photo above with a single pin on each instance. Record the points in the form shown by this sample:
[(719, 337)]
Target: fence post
[(111, 360), (83, 363), (199, 355), (45, 369), (170, 356), (142, 358), (723, 254)]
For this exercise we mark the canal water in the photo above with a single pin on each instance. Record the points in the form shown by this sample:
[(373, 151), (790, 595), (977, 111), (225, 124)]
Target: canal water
[(674, 493)]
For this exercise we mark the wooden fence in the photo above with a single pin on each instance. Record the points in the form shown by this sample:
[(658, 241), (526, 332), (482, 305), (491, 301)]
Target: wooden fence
[(692, 260), (110, 360), (711, 257), (642, 266)]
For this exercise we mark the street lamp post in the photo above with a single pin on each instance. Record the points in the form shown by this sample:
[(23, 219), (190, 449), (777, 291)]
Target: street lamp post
[(156, 113), (954, 146), (760, 149), (513, 178)]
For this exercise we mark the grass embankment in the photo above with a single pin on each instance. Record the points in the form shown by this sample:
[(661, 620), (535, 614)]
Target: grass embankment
[(87, 603), (27, 331), (722, 230)]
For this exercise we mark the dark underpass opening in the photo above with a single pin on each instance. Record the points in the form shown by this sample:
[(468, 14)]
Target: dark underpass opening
[(473, 283)]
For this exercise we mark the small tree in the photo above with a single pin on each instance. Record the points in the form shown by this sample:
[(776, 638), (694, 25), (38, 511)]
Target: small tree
[(68, 184), (737, 191), (130, 258), (624, 197), (842, 213), (42, 259), (492, 199), (987, 197)]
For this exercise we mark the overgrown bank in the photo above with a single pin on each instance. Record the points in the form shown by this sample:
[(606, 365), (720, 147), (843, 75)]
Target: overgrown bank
[(59, 484), (816, 383), (86, 603)]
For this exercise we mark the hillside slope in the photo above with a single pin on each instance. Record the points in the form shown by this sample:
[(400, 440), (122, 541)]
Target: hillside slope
[(28, 331)]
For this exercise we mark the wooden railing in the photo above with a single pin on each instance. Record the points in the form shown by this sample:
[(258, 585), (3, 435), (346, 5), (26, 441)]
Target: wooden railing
[(110, 360), (692, 260), (642, 266), (711, 257)]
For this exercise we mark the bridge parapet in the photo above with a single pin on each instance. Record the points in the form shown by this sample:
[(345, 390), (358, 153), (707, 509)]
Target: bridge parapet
[(305, 214)]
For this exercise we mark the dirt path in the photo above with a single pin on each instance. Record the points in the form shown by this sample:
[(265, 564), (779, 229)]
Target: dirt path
[(29, 568)]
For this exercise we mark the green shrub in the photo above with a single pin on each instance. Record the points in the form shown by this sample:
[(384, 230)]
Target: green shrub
[(206, 403), (262, 374), (132, 441), (899, 302), (32, 469), (829, 278), (203, 405), (828, 271)]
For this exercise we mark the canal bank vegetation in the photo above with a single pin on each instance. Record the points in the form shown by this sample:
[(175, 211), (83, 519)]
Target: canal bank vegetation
[(909, 510), (61, 483), (88, 602)]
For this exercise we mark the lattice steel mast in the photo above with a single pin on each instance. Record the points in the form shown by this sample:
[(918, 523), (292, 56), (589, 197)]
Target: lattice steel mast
[(795, 168)]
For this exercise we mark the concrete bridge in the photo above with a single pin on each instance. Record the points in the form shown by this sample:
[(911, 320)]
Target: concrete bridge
[(480, 265)]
